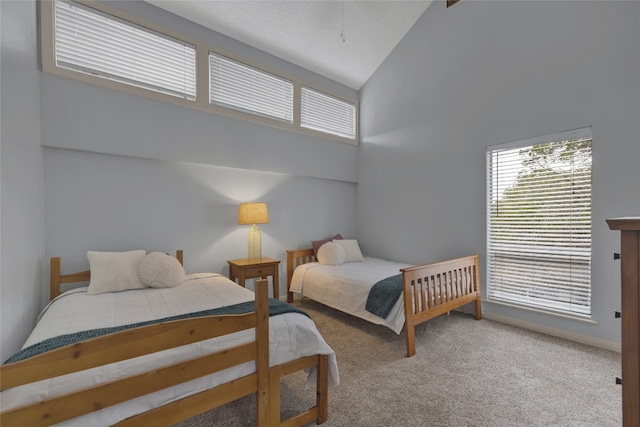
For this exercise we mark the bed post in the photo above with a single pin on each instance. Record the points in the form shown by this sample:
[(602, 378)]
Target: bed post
[(322, 387), (54, 278), (262, 360), (476, 263), (409, 327), (290, 268)]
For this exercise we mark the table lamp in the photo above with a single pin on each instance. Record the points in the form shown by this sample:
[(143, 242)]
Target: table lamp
[(253, 213)]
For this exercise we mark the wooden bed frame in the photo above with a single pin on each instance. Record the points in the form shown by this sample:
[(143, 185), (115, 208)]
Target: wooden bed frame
[(265, 382), (428, 290)]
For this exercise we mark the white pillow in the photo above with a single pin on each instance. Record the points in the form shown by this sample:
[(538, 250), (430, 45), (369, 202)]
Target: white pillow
[(159, 270), (114, 271), (331, 254), (351, 250)]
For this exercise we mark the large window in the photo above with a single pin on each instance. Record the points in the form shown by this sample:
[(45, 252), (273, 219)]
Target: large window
[(92, 42), (539, 223)]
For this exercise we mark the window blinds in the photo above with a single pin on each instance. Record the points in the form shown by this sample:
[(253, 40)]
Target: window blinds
[(327, 114), (539, 226), (244, 88), (92, 42)]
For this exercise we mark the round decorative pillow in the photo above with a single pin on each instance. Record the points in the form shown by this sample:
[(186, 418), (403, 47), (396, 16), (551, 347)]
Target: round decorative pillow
[(159, 270), (331, 254)]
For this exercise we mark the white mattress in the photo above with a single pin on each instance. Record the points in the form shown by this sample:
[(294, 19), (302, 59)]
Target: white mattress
[(292, 335), (346, 287)]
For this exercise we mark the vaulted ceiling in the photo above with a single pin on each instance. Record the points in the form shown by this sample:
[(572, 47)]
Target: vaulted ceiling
[(344, 41)]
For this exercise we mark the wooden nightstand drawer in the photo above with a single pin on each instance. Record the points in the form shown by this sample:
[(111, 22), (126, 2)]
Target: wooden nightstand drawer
[(266, 270), (242, 269)]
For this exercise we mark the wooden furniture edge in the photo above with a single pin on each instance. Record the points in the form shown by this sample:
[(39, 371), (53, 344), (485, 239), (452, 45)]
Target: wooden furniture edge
[(631, 223), (629, 228)]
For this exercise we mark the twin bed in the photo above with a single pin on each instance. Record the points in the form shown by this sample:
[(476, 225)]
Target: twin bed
[(424, 291), (156, 356)]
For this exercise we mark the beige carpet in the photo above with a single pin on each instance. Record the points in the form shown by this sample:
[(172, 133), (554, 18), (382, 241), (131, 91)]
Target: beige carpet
[(465, 373)]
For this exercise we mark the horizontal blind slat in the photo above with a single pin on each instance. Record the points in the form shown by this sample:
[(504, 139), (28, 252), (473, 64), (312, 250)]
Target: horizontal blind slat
[(539, 226), (92, 42), (244, 88), (327, 114)]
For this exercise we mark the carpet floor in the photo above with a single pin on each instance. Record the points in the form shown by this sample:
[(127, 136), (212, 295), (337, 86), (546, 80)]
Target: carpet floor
[(465, 373)]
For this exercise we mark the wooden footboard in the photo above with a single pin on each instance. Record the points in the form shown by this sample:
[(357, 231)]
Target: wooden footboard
[(434, 289), (139, 342)]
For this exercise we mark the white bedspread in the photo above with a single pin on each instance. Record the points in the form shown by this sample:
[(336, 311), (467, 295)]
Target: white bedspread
[(292, 335), (346, 287)]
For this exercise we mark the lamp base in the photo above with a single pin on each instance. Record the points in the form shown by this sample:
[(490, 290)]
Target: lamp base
[(254, 240)]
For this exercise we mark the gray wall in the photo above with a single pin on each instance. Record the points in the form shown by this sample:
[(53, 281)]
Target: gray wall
[(92, 118), (484, 73), (120, 171), (22, 290), (125, 171), (112, 203)]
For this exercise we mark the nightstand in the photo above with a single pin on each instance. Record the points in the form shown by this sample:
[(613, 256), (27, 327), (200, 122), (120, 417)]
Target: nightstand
[(264, 267)]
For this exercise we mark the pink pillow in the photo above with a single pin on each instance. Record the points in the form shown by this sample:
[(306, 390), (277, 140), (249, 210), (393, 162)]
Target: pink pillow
[(317, 243)]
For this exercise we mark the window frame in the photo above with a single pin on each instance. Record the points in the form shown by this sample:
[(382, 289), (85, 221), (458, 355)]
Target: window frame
[(260, 72), (583, 133), (97, 68), (48, 65), (334, 99)]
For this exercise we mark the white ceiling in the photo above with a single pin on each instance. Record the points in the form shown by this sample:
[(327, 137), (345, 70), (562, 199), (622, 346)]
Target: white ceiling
[(308, 32)]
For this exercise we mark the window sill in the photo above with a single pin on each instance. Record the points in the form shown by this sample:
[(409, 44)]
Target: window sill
[(536, 310)]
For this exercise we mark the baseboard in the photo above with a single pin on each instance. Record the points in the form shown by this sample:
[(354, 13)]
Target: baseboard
[(560, 333)]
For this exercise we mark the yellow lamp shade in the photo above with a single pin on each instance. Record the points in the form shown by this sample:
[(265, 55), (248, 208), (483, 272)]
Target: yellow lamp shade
[(253, 213)]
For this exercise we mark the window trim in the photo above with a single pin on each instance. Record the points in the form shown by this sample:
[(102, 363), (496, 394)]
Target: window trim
[(576, 134), (47, 16), (260, 71), (69, 17), (48, 64), (326, 95)]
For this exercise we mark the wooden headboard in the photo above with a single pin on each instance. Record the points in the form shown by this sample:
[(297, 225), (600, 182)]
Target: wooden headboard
[(56, 279), (296, 257)]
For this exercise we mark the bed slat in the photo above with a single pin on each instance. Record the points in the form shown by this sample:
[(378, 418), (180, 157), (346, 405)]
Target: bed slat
[(121, 346), (296, 257), (91, 399), (433, 289), (190, 406)]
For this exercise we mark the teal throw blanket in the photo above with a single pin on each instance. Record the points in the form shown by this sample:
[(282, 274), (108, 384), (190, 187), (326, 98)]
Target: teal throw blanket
[(275, 307), (383, 296)]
